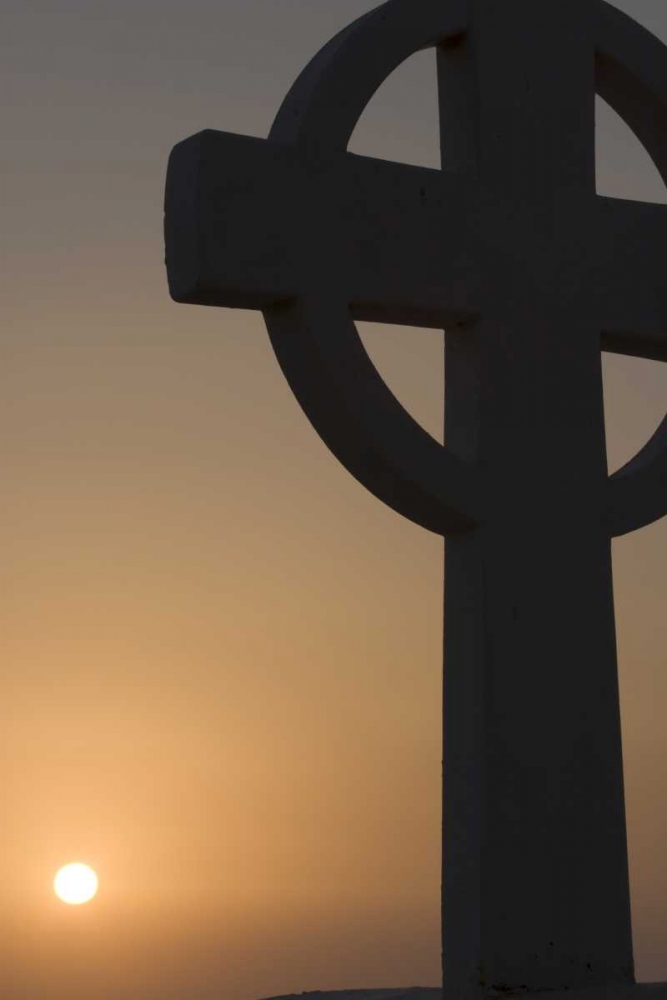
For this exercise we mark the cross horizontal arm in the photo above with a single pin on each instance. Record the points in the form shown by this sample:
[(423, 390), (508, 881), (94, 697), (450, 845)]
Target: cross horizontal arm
[(251, 223), (633, 301), (228, 223)]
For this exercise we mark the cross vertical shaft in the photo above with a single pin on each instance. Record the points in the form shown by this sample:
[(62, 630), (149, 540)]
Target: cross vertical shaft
[(535, 883)]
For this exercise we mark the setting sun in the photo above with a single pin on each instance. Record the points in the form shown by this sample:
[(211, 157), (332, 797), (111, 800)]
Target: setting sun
[(75, 884)]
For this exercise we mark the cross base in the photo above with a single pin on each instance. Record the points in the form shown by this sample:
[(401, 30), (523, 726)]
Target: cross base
[(631, 991)]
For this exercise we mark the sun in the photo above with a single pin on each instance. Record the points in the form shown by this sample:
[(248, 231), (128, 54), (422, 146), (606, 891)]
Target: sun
[(75, 884)]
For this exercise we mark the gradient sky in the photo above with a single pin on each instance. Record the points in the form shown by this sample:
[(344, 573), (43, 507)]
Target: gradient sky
[(221, 657)]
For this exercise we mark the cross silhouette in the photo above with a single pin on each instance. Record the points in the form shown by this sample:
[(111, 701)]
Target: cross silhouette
[(532, 274)]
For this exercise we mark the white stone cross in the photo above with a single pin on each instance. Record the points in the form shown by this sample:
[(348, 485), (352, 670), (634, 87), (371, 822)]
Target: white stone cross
[(532, 274)]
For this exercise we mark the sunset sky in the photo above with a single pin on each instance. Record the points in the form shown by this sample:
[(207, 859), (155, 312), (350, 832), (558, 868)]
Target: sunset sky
[(221, 657)]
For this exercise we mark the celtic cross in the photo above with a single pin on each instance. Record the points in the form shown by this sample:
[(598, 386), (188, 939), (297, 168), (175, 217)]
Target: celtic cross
[(532, 275)]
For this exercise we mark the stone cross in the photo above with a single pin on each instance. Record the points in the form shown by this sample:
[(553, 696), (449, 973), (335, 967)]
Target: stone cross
[(532, 275)]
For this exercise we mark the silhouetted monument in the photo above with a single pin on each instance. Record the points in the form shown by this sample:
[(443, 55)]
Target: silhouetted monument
[(532, 275)]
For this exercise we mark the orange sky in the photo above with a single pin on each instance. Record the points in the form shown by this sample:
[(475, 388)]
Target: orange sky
[(221, 657)]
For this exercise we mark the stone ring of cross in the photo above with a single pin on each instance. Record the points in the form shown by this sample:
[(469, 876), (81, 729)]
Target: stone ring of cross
[(507, 247)]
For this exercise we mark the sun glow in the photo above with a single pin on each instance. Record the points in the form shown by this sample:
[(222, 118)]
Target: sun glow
[(75, 884)]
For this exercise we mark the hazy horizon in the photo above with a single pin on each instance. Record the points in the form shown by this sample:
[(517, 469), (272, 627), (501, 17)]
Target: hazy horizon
[(222, 657)]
